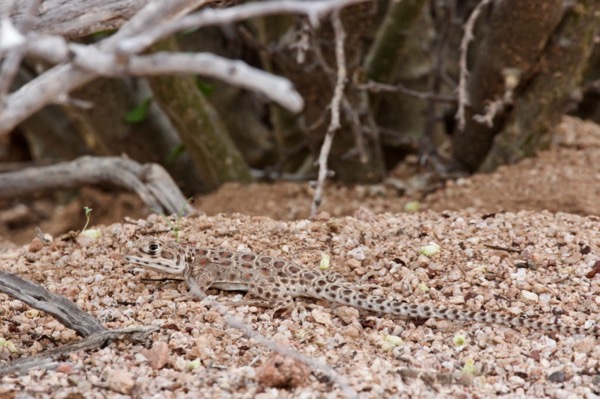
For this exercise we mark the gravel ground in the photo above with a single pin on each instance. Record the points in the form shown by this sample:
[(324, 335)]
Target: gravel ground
[(536, 264)]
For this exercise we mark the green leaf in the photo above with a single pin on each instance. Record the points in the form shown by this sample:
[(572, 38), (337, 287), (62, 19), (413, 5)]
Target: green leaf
[(204, 87), (97, 36), (175, 152), (139, 113)]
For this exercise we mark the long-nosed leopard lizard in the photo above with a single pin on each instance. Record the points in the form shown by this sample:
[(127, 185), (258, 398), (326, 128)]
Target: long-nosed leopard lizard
[(276, 282)]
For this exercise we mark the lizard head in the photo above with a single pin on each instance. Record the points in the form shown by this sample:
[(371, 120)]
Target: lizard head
[(159, 255)]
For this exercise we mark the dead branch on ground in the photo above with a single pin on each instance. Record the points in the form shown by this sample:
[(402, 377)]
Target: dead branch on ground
[(287, 351), (97, 340), (59, 307), (150, 182), (67, 313)]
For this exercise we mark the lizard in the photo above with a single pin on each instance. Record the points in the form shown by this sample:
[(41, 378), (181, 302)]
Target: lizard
[(276, 282)]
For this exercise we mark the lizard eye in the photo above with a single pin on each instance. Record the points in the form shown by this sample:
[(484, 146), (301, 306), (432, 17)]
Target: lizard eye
[(153, 248)]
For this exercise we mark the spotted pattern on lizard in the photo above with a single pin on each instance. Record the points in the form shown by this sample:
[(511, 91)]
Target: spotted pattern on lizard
[(276, 282)]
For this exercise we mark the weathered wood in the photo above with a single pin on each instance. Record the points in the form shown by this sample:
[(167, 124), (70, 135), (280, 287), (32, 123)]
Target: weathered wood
[(59, 307), (52, 85), (97, 340), (79, 18), (151, 181)]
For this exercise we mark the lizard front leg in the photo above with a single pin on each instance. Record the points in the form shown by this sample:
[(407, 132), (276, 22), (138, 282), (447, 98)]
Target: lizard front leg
[(200, 279)]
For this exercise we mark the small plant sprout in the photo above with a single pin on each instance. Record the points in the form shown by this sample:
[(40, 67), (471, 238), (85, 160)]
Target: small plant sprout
[(430, 249), (88, 212), (324, 265), (8, 345), (390, 342), (469, 367), (92, 233), (175, 227), (460, 341), (194, 364), (412, 206)]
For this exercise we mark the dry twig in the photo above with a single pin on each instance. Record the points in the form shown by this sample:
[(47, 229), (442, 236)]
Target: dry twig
[(376, 87), (94, 341), (67, 313), (53, 85), (314, 10), (11, 63), (463, 93), (336, 101), (57, 306), (283, 350)]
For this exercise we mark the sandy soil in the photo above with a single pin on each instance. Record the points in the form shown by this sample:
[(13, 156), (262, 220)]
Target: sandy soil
[(493, 256)]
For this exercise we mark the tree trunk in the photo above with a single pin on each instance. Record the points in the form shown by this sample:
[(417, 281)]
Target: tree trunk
[(512, 35), (541, 105), (203, 134)]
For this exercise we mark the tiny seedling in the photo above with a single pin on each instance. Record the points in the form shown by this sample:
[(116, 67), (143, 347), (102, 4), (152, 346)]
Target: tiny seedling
[(91, 233), (175, 227), (139, 113), (88, 212)]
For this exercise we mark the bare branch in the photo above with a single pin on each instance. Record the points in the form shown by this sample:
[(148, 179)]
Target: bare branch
[(463, 93), (151, 182), (313, 9), (234, 72), (376, 87), (11, 63), (57, 306), (512, 77), (82, 64), (79, 18), (335, 124), (60, 80), (94, 341), (288, 351)]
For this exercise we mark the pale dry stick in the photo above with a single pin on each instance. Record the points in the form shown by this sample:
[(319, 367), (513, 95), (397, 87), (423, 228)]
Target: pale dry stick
[(99, 339), (512, 77), (463, 92), (59, 307), (315, 364), (334, 125), (79, 18), (315, 10), (376, 87), (345, 104), (11, 63), (95, 335), (162, 18), (150, 182), (234, 72), (55, 83)]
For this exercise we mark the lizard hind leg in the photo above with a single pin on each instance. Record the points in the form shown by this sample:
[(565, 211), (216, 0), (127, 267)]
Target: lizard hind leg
[(268, 297)]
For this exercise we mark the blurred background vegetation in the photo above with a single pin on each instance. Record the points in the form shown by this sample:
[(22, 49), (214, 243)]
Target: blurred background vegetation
[(205, 132)]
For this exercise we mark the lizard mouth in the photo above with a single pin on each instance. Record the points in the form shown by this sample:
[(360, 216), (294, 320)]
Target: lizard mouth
[(159, 265)]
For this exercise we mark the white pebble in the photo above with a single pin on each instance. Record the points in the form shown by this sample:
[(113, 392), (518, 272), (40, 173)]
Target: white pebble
[(530, 296)]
